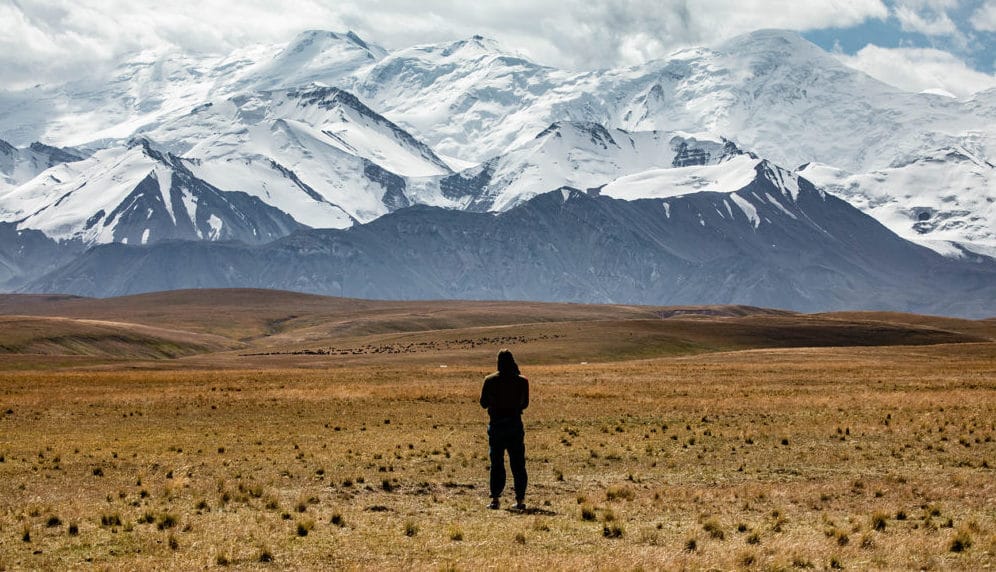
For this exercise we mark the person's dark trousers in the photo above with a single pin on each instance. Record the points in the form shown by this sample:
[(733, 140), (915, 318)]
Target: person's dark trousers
[(507, 434)]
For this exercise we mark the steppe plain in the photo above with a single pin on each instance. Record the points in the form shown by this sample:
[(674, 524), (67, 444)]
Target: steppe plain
[(272, 430)]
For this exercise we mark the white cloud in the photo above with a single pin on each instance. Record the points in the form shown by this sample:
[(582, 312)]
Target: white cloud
[(582, 34), (935, 24), (984, 17), (919, 69), (933, 5), (48, 40)]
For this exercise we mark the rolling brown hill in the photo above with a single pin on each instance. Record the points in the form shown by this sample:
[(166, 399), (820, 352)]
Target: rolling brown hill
[(50, 336), (263, 328), (246, 314)]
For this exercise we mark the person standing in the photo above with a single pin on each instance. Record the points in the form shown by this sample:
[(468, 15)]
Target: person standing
[(505, 395)]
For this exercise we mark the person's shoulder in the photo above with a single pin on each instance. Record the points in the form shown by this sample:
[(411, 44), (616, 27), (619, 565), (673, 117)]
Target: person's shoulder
[(491, 377), (523, 378)]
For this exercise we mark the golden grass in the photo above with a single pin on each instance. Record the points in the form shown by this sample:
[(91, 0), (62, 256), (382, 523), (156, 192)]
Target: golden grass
[(867, 458), (307, 432)]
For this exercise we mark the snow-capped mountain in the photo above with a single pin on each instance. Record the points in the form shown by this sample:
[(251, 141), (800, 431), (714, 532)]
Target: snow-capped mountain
[(776, 242), (316, 153), (332, 131), (770, 91), (570, 154), (137, 194), (313, 56), (475, 107), (151, 88)]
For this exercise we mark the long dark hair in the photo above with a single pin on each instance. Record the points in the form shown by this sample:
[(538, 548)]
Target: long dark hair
[(506, 363)]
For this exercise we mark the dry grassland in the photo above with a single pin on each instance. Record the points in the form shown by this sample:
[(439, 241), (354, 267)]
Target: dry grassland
[(807, 458)]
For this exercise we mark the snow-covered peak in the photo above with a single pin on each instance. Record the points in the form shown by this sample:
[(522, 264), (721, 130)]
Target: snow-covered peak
[(785, 181), (473, 48), (356, 129), (773, 46), (463, 97), (314, 56), (578, 134), (325, 45), (314, 42), (325, 116), (317, 153), (943, 198), (17, 166), (582, 155), (138, 194), (97, 184)]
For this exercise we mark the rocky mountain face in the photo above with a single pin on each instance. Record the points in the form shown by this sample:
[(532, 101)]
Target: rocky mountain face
[(330, 131), (26, 255)]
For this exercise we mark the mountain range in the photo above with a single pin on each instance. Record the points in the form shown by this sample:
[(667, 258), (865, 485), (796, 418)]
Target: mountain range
[(760, 170)]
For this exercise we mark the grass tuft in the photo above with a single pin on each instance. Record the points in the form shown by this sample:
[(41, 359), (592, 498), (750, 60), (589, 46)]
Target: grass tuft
[(714, 529), (879, 520), (166, 520), (110, 519), (265, 555), (616, 492), (961, 541), (747, 559), (800, 561), (410, 528), (613, 530), (304, 527)]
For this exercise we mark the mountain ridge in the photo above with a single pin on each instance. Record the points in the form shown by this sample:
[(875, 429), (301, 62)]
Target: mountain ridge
[(569, 245)]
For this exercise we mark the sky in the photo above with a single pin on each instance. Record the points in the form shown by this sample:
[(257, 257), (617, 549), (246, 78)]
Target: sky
[(947, 45)]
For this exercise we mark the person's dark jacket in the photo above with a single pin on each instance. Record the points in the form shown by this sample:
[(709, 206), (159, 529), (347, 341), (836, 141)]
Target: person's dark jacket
[(505, 395)]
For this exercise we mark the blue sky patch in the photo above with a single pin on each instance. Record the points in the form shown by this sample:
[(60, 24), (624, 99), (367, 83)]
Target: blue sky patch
[(977, 48)]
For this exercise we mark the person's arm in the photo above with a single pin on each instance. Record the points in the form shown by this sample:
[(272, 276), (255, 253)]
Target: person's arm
[(525, 393), (485, 398)]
